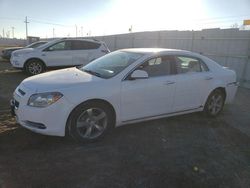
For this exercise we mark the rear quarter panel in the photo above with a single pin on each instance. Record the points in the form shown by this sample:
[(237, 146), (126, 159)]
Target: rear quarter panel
[(226, 78), (222, 77)]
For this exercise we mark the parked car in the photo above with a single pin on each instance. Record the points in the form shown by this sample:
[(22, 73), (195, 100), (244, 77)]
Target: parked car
[(6, 53), (123, 87), (58, 53)]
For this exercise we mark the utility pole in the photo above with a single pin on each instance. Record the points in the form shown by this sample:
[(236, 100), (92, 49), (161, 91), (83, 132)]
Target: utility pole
[(26, 24), (130, 29), (3, 33), (13, 31), (82, 31), (53, 32), (8, 34), (76, 30), (89, 33)]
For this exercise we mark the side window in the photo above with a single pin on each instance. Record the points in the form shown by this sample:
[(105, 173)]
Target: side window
[(160, 66), (84, 45), (65, 45), (92, 45), (186, 64)]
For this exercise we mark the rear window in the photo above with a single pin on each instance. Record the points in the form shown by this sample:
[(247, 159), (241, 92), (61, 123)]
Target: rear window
[(84, 45), (187, 64)]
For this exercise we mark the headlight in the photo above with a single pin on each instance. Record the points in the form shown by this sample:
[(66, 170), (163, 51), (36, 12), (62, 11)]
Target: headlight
[(44, 99)]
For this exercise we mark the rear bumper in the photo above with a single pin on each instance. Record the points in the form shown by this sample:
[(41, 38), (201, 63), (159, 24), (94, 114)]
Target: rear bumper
[(231, 90)]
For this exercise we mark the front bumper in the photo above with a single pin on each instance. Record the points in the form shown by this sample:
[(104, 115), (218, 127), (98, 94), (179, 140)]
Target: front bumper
[(50, 120), (5, 56), (13, 105), (17, 62)]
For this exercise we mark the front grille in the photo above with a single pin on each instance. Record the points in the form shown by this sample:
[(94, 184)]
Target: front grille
[(21, 92)]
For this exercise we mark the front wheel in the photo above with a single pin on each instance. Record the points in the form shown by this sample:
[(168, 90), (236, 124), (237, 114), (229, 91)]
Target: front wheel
[(34, 67), (215, 103), (90, 122)]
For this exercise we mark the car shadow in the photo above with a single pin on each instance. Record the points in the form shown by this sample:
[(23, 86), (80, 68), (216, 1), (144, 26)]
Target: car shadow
[(13, 137)]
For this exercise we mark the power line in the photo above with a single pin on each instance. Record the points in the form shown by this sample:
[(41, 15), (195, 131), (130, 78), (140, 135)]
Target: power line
[(224, 17), (55, 23), (50, 23), (219, 21), (9, 18)]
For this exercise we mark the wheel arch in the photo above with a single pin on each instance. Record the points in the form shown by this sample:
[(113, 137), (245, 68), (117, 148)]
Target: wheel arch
[(95, 100), (221, 88), (214, 112)]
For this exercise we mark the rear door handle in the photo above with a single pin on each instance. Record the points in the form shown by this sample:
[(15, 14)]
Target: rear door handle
[(169, 82), (208, 78)]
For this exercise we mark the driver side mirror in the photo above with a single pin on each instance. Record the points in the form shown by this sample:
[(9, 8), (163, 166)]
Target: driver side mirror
[(48, 49), (139, 74)]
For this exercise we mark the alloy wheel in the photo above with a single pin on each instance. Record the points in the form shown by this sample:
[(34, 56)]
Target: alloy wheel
[(91, 123), (215, 104), (35, 68)]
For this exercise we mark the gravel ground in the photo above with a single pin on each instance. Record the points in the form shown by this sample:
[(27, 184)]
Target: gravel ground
[(183, 151)]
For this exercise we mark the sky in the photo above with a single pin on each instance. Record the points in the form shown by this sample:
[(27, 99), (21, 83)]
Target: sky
[(55, 18)]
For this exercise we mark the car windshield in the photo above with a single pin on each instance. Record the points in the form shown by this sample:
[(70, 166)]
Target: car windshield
[(111, 64), (36, 44)]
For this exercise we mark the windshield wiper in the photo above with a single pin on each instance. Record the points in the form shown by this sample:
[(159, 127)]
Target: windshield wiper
[(92, 72)]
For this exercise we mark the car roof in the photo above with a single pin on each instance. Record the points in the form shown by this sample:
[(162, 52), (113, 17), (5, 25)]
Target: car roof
[(153, 50), (162, 51), (41, 41), (82, 39)]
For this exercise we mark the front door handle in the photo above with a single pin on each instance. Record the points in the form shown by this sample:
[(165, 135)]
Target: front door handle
[(169, 82), (208, 78)]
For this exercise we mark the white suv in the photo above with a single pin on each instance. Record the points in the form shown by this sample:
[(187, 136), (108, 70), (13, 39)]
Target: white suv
[(58, 53)]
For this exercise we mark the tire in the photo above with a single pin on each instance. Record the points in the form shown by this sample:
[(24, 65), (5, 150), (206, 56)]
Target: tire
[(34, 66), (215, 103), (90, 122)]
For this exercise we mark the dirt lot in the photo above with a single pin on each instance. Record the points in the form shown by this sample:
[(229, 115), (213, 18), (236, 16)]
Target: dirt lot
[(184, 151)]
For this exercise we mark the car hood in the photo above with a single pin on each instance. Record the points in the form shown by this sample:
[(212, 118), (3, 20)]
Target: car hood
[(60, 79), (13, 48), (24, 50)]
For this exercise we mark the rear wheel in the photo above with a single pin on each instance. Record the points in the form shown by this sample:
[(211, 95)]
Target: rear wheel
[(90, 122), (215, 103), (33, 67)]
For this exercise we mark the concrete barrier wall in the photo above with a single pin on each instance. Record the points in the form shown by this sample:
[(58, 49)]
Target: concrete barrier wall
[(228, 47), (12, 42)]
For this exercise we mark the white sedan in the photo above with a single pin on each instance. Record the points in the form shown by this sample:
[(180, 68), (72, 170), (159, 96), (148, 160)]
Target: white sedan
[(123, 87)]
